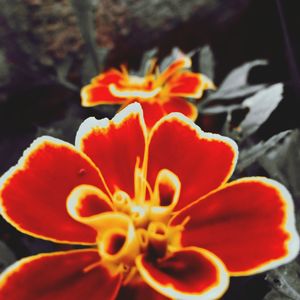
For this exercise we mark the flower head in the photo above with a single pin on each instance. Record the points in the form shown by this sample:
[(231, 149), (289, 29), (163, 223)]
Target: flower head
[(155, 208), (158, 93)]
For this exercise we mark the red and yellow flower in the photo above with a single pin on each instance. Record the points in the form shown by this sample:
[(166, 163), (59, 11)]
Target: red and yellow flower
[(158, 93), (154, 207)]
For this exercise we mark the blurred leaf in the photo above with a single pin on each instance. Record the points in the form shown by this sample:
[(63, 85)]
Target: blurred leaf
[(146, 60), (218, 109), (234, 87), (283, 162), (175, 54), (206, 61), (274, 295), (95, 57), (236, 83), (248, 156), (6, 256), (286, 280), (62, 70), (261, 105)]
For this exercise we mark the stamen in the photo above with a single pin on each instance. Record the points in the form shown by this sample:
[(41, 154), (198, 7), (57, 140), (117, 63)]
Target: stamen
[(139, 215), (158, 239), (151, 66), (92, 266), (121, 201), (129, 276), (124, 71), (143, 238)]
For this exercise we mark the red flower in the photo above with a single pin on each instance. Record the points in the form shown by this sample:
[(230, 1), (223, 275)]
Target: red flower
[(155, 208), (159, 94)]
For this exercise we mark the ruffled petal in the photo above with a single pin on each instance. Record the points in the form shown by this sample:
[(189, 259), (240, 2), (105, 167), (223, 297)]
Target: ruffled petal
[(60, 275), (176, 104), (33, 194), (202, 161), (96, 94), (249, 224), (189, 84), (108, 77), (86, 201), (115, 146), (139, 291), (174, 67), (190, 273), (98, 91)]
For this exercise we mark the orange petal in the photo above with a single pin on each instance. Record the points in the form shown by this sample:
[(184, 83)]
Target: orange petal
[(173, 68), (202, 161), (139, 291), (249, 224), (176, 104), (115, 145), (189, 84), (33, 194), (190, 274), (60, 275)]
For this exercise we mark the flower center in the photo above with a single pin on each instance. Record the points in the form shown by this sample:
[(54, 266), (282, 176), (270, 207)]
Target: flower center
[(131, 226)]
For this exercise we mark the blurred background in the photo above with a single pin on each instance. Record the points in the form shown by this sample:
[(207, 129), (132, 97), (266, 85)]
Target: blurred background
[(50, 49)]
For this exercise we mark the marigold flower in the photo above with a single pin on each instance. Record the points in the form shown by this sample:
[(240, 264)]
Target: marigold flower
[(153, 206), (158, 93)]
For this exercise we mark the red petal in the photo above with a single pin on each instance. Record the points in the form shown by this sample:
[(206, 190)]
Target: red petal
[(110, 76), (139, 291), (95, 94), (202, 161), (115, 145), (86, 200), (188, 84), (153, 111), (60, 275), (33, 194), (98, 91), (176, 104), (190, 273), (248, 224)]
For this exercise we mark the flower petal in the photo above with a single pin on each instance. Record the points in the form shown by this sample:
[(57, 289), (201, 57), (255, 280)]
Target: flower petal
[(95, 94), (177, 144), (176, 104), (98, 91), (180, 63), (139, 291), (249, 224), (33, 194), (60, 275), (189, 84), (86, 201), (152, 110), (114, 146), (108, 77), (190, 273)]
